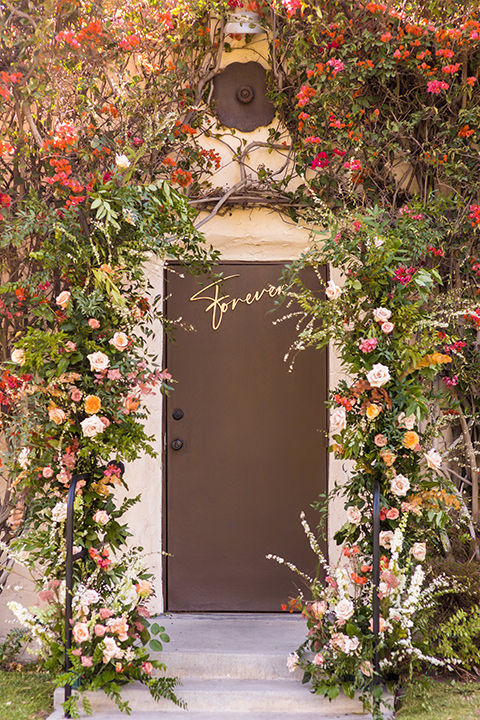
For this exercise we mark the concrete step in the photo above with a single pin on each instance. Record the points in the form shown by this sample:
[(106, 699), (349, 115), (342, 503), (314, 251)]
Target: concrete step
[(232, 696), (210, 665), (140, 715)]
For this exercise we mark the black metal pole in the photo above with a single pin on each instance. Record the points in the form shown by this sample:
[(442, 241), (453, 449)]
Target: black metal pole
[(376, 581), (69, 578)]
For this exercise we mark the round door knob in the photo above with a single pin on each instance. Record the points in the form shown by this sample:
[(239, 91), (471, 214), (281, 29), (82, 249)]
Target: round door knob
[(177, 444), (177, 414)]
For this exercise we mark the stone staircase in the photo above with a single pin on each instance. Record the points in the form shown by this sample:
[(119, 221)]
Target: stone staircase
[(232, 667)]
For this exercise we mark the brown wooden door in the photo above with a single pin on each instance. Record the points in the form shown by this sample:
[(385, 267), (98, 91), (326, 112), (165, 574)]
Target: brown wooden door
[(253, 449)]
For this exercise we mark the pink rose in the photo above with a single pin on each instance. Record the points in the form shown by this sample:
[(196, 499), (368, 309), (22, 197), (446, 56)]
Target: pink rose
[(76, 395), (80, 632), (101, 517), (392, 514), (98, 361), (92, 426), (119, 341), (368, 345), (70, 346), (114, 374), (147, 667), (77, 652), (382, 314), (105, 421), (318, 659), (47, 472), (387, 327), (105, 613), (86, 661), (63, 299), (399, 485), (380, 440), (94, 323), (99, 630)]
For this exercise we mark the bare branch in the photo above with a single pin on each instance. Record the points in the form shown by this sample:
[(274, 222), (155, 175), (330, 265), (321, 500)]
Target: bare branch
[(20, 13)]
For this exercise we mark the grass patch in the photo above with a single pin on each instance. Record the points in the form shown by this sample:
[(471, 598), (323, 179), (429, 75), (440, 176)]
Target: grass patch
[(25, 695), (436, 700)]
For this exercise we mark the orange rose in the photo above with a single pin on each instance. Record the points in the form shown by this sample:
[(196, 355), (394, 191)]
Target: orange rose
[(92, 404), (373, 410), (410, 439)]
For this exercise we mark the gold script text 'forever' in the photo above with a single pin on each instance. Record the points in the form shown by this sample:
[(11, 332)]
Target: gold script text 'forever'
[(220, 304)]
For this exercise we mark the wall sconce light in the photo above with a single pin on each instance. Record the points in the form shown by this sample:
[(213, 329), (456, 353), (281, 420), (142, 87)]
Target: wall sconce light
[(243, 22)]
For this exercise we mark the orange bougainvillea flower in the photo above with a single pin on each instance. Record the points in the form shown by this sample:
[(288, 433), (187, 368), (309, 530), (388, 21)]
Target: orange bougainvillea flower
[(92, 404), (410, 439)]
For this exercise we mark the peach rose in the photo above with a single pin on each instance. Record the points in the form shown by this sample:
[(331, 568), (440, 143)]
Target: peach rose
[(57, 415), (434, 459), (47, 472), (63, 299), (386, 537), (382, 314), (317, 609), (147, 667), (392, 514), (18, 356), (94, 323), (408, 422), (344, 610), (92, 404), (80, 632), (99, 630), (318, 659), (101, 517), (332, 291), (380, 440), (92, 426), (338, 420), (354, 515), (98, 361), (399, 485), (143, 588), (119, 627), (419, 551), (119, 341), (86, 661), (388, 457), (379, 375)]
